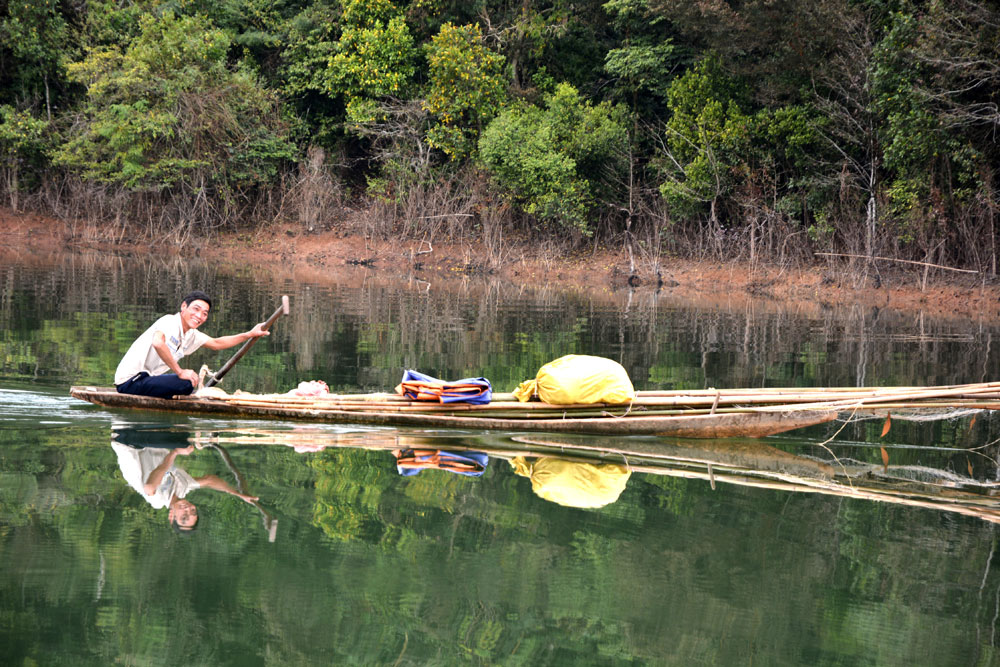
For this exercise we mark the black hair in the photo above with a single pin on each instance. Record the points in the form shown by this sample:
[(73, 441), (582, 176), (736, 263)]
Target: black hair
[(180, 530), (197, 295)]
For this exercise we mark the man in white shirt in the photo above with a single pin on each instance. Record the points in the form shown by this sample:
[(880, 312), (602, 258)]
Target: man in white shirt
[(143, 369)]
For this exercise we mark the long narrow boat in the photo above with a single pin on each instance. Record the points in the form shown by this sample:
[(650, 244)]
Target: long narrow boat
[(392, 410)]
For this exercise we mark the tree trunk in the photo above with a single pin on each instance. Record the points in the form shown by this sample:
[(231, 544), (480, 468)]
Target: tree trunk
[(12, 187)]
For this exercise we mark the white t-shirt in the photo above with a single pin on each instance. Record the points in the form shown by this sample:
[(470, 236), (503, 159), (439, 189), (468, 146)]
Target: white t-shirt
[(136, 466), (142, 357)]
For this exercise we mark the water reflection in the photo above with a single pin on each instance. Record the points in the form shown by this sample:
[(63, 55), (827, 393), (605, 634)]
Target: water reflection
[(372, 566), (591, 472), (410, 462), (147, 459), (754, 463), (573, 483)]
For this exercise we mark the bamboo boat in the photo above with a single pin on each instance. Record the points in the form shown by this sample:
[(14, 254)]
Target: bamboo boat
[(708, 413), (504, 414)]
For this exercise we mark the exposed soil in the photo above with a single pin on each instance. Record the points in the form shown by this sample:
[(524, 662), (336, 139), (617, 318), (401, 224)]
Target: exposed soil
[(329, 257)]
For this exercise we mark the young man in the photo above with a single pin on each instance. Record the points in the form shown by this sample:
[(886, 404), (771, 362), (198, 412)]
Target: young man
[(144, 368)]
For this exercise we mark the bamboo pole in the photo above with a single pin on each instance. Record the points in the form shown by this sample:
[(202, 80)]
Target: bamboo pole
[(547, 411)]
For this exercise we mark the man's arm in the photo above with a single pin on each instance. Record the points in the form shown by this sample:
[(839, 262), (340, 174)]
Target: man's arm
[(163, 350), (217, 483), (225, 342), (152, 483)]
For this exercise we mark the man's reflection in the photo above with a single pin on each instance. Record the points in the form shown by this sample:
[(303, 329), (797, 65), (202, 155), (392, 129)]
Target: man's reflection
[(147, 458)]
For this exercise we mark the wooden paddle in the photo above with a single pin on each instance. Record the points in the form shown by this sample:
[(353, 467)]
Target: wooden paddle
[(217, 377)]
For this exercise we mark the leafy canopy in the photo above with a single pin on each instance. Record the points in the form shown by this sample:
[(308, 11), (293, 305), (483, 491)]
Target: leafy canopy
[(168, 110), (550, 160), (707, 136), (466, 88), (373, 59)]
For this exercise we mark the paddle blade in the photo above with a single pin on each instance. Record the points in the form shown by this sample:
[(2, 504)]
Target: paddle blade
[(885, 460), (886, 426)]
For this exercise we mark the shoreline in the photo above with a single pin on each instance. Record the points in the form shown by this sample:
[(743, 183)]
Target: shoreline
[(329, 257)]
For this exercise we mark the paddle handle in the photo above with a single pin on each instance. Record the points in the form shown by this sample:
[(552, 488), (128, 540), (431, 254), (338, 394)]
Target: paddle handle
[(282, 310)]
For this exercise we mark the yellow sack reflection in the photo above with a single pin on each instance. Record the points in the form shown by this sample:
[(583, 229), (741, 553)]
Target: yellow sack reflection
[(578, 378), (573, 483)]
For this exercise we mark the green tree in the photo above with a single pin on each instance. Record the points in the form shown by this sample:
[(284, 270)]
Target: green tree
[(22, 141), (37, 36), (706, 136), (308, 42), (643, 64), (553, 160), (373, 59), (932, 155), (167, 115), (466, 88)]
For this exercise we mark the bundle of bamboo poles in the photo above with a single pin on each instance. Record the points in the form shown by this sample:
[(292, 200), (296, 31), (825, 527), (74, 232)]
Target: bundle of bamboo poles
[(984, 396)]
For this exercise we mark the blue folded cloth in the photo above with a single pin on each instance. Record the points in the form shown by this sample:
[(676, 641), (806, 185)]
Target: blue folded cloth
[(418, 386)]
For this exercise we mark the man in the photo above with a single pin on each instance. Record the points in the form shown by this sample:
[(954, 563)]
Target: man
[(143, 369), (152, 472)]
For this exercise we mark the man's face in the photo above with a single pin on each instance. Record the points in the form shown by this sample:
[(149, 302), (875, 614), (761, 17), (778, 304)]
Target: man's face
[(185, 514), (194, 314)]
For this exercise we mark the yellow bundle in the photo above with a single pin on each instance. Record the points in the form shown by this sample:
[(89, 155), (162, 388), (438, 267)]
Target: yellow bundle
[(573, 483), (578, 378)]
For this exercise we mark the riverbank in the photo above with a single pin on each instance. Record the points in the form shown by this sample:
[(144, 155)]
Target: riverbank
[(329, 257)]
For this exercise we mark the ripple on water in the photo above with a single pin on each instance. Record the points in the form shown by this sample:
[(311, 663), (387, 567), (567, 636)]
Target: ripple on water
[(20, 409)]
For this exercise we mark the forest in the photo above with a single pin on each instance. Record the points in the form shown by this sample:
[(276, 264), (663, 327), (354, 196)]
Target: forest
[(755, 130)]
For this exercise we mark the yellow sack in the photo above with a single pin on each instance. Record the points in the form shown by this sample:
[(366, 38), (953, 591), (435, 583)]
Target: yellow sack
[(573, 483), (578, 378)]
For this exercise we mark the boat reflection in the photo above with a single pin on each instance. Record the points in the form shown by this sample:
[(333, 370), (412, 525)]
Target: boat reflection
[(591, 471), (757, 464)]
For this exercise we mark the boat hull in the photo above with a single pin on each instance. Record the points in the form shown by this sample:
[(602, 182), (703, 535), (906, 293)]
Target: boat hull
[(756, 424)]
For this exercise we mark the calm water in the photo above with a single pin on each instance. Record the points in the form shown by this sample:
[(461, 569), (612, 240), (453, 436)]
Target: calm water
[(344, 561)]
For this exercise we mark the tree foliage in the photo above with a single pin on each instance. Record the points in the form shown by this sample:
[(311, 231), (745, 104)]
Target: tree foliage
[(706, 138), (551, 159), (465, 89), (22, 142), (169, 112), (374, 58), (37, 35), (862, 126)]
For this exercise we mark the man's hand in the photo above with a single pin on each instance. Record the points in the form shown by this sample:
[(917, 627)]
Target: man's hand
[(190, 376), (226, 342), (259, 330)]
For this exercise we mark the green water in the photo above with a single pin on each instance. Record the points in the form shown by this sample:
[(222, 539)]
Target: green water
[(369, 567)]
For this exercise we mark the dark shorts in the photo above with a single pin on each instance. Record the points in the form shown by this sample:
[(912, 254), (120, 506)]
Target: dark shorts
[(160, 386)]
